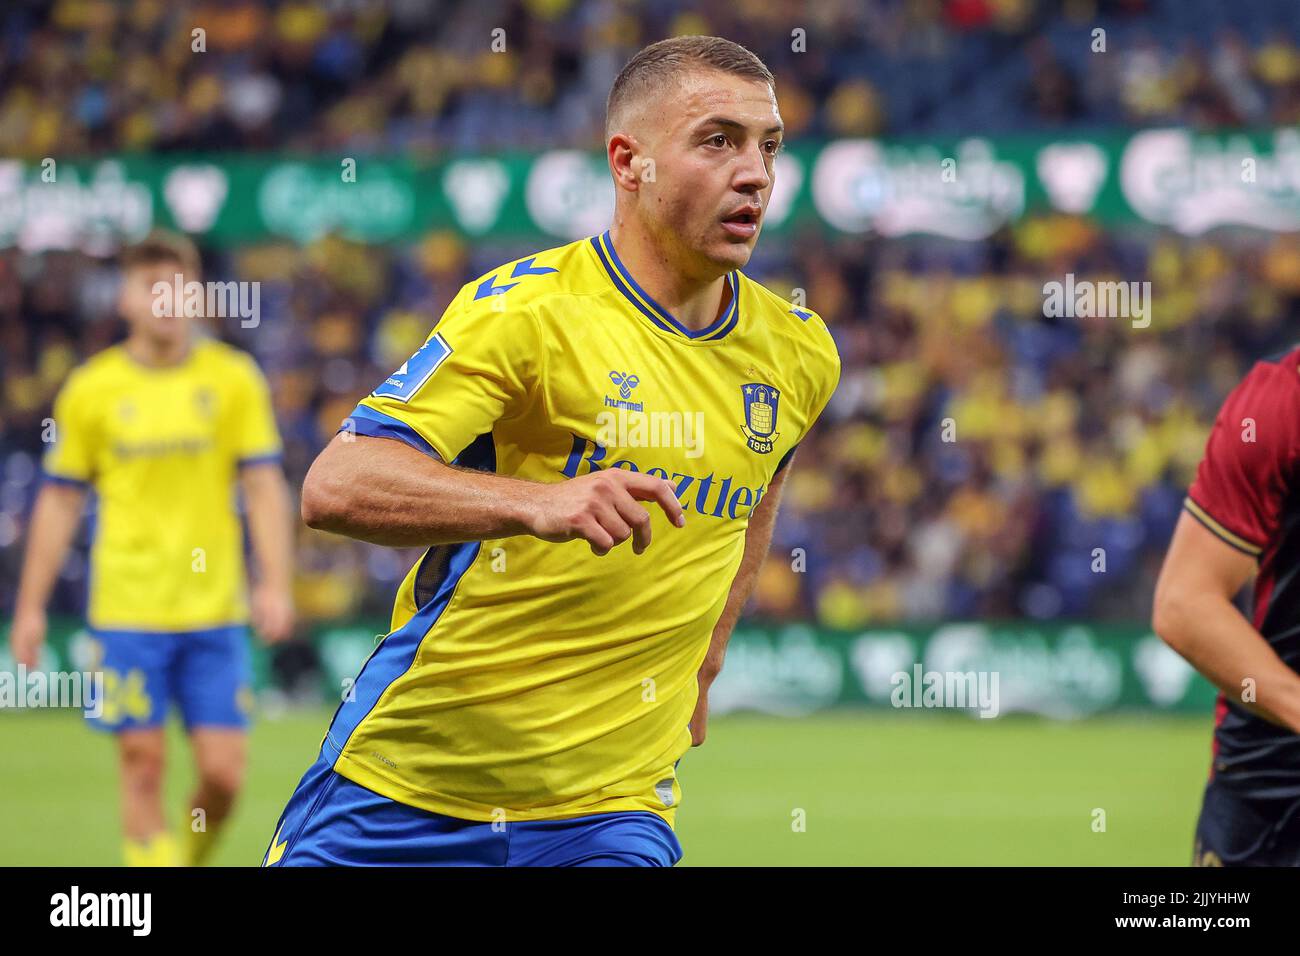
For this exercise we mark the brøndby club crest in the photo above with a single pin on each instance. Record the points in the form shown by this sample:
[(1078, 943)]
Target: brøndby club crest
[(761, 403)]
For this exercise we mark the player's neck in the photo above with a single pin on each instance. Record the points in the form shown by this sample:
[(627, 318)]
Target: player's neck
[(154, 354), (695, 303)]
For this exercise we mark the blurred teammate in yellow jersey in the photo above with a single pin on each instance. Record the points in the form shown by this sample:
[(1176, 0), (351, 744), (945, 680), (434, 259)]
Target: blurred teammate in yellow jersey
[(543, 677), (165, 428)]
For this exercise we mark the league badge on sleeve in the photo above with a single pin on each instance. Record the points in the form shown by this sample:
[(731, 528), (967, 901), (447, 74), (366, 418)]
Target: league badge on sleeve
[(415, 371), (761, 403)]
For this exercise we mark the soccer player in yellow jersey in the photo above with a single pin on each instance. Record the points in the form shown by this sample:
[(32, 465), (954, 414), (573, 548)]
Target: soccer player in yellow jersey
[(164, 428), (542, 677)]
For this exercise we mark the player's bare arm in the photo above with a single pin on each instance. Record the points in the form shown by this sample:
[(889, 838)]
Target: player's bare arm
[(758, 539), (54, 522), (266, 497), (1193, 613), (385, 492)]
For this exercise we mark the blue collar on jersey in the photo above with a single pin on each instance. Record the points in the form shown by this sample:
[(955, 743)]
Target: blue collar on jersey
[(651, 309)]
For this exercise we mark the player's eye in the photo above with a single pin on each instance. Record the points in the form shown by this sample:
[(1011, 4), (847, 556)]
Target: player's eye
[(772, 147), (718, 139)]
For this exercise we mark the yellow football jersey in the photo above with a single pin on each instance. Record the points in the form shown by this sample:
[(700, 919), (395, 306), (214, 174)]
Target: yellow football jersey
[(526, 680), (161, 447)]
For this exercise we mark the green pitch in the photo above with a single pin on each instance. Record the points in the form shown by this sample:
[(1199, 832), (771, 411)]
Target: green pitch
[(880, 789)]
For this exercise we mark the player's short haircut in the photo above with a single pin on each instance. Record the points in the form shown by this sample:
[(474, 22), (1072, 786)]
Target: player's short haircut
[(163, 246), (656, 68)]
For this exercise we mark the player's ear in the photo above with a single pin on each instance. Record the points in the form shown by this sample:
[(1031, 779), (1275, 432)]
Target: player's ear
[(623, 161)]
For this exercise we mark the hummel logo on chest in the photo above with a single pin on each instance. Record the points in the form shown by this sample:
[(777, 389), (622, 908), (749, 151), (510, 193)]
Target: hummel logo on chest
[(625, 381)]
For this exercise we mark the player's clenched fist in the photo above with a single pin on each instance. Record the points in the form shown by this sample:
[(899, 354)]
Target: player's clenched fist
[(602, 509)]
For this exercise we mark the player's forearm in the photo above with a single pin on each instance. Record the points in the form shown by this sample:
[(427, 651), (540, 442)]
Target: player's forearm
[(741, 589), (385, 492), (270, 524), (758, 540), (1209, 631), (54, 522)]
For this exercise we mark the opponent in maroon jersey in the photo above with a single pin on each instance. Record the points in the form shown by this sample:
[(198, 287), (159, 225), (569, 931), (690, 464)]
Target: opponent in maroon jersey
[(1242, 518)]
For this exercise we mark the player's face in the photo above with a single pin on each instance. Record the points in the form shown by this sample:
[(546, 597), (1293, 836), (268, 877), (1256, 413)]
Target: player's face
[(714, 162), (140, 305)]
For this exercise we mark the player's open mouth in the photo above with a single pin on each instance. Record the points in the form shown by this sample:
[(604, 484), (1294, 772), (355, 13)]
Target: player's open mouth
[(743, 222)]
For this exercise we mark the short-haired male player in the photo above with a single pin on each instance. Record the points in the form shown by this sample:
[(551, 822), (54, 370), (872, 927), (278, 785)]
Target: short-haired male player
[(1241, 520), (164, 428), (543, 677)]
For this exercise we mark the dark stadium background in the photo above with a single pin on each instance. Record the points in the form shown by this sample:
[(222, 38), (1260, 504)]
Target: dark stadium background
[(1072, 434)]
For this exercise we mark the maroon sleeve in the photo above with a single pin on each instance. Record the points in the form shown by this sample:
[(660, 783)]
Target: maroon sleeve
[(1246, 475)]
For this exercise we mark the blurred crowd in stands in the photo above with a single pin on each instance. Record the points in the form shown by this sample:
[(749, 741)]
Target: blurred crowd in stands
[(81, 76), (977, 454)]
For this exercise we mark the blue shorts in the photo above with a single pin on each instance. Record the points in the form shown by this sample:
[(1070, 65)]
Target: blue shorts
[(331, 821), (207, 673)]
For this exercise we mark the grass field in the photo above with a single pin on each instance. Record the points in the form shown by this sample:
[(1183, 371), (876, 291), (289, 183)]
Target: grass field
[(882, 789)]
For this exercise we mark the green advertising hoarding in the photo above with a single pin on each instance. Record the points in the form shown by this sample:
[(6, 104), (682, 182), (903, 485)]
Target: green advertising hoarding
[(964, 189)]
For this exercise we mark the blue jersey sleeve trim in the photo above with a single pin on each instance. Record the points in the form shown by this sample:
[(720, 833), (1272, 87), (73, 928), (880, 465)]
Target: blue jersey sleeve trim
[(271, 458), (372, 424), (54, 479)]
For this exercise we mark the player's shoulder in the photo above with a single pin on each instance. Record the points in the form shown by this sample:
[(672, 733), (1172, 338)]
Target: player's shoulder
[(227, 361), (533, 278), (798, 321), (1283, 367), (102, 370), (1271, 381), (800, 329), (1264, 405)]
